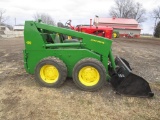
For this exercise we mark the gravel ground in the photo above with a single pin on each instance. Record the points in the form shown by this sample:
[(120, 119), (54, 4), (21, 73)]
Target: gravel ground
[(21, 98)]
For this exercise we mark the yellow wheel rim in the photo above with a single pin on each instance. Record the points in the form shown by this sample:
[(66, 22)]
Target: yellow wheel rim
[(114, 35), (49, 73), (89, 76), (69, 37)]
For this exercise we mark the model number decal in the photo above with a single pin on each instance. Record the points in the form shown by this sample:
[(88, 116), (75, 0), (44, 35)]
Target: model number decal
[(92, 40), (29, 42)]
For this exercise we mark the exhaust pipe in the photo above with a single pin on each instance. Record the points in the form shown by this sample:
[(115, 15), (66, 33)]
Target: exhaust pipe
[(90, 22)]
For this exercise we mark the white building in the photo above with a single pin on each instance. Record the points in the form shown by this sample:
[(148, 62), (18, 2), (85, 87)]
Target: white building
[(18, 28), (17, 31)]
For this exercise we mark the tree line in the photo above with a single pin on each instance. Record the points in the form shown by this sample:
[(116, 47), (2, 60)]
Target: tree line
[(121, 9)]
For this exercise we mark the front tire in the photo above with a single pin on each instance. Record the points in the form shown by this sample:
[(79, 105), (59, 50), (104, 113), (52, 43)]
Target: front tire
[(89, 74), (51, 72)]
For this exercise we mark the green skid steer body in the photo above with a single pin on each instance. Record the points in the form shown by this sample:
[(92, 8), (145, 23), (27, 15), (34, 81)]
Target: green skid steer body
[(88, 59)]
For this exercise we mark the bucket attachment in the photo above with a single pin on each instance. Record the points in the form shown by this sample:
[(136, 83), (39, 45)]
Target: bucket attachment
[(127, 83)]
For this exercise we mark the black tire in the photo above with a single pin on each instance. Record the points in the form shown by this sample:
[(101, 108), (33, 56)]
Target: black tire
[(91, 63), (57, 71)]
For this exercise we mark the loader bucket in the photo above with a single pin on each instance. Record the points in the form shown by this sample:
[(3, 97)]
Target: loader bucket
[(127, 83)]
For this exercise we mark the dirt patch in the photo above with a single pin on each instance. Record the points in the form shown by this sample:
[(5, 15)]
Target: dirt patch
[(22, 98)]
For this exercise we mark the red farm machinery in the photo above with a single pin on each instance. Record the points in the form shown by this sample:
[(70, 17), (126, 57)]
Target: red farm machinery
[(102, 31)]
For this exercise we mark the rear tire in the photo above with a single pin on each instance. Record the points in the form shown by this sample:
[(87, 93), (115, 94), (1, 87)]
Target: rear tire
[(89, 74), (114, 35), (51, 72)]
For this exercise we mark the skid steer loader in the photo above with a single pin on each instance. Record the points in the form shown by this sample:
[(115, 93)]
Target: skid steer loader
[(87, 59)]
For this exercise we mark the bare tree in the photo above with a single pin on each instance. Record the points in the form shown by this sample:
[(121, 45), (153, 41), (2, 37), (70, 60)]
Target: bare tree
[(156, 14), (44, 17), (3, 18), (128, 9), (139, 13)]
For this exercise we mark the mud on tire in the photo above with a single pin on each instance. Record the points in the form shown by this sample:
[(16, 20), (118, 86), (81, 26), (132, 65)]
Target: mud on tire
[(89, 74), (51, 72)]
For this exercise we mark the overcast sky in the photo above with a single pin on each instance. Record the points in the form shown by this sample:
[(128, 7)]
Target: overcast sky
[(79, 11)]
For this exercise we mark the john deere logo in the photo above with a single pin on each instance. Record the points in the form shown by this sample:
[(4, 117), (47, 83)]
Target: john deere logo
[(29, 42)]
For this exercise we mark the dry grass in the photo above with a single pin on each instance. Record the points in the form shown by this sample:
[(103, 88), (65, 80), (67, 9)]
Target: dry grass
[(149, 37), (35, 102)]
